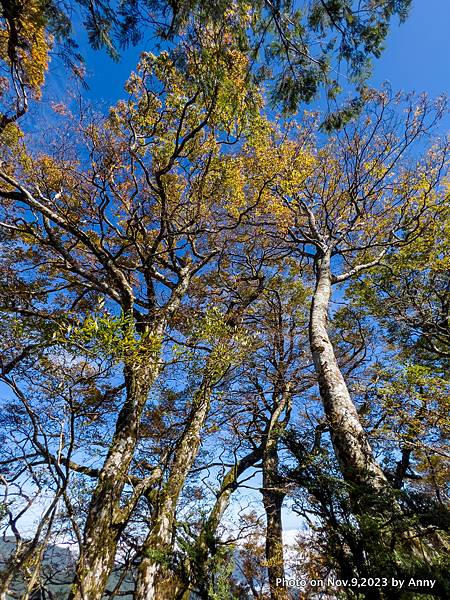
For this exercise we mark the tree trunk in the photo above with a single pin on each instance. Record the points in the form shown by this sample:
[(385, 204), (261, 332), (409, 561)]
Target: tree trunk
[(6, 578), (23, 553), (350, 443), (206, 546), (370, 491), (104, 525), (273, 500), (155, 579)]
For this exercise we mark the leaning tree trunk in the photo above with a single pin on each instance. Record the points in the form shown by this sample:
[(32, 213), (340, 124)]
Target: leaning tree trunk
[(104, 524), (13, 566), (206, 544), (370, 492), (155, 580), (349, 439), (6, 578), (29, 550)]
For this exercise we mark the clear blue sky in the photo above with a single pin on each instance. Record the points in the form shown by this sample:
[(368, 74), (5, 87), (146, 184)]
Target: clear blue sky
[(416, 58), (417, 54)]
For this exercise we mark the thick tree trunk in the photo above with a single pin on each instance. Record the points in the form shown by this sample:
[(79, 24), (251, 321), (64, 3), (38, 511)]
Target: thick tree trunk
[(273, 500), (104, 525), (350, 443), (370, 491), (155, 580)]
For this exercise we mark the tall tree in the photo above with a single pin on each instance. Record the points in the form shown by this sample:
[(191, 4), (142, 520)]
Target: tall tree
[(126, 218), (153, 579), (354, 202)]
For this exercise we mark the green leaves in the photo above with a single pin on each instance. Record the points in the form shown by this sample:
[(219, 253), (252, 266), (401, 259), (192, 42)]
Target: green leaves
[(229, 344), (302, 48), (113, 337)]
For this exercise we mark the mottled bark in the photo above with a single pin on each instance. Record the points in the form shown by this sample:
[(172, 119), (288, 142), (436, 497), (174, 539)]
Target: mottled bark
[(206, 545), (349, 439), (370, 491), (6, 578), (29, 550), (105, 520), (15, 568), (155, 580)]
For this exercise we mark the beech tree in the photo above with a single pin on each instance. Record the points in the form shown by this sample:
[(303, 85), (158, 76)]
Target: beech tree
[(410, 306), (159, 543), (412, 302), (130, 233), (348, 214), (278, 377), (353, 203), (169, 279), (25, 46)]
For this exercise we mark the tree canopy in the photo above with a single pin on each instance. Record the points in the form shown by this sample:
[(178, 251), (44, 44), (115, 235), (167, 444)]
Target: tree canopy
[(298, 48), (216, 319)]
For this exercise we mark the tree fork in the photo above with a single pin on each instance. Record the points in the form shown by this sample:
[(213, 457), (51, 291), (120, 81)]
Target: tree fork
[(370, 491)]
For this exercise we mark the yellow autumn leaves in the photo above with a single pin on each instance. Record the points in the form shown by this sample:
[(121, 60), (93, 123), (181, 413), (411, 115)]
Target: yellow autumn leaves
[(25, 45)]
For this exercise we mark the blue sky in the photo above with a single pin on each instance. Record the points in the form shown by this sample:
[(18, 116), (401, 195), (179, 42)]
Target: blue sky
[(416, 58), (417, 54)]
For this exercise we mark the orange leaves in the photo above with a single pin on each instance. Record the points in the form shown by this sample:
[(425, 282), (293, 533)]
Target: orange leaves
[(55, 175)]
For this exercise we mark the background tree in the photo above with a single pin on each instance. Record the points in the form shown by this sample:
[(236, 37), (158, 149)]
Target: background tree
[(334, 215)]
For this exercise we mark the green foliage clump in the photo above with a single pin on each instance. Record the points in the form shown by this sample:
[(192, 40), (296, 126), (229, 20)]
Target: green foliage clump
[(229, 344), (112, 337)]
